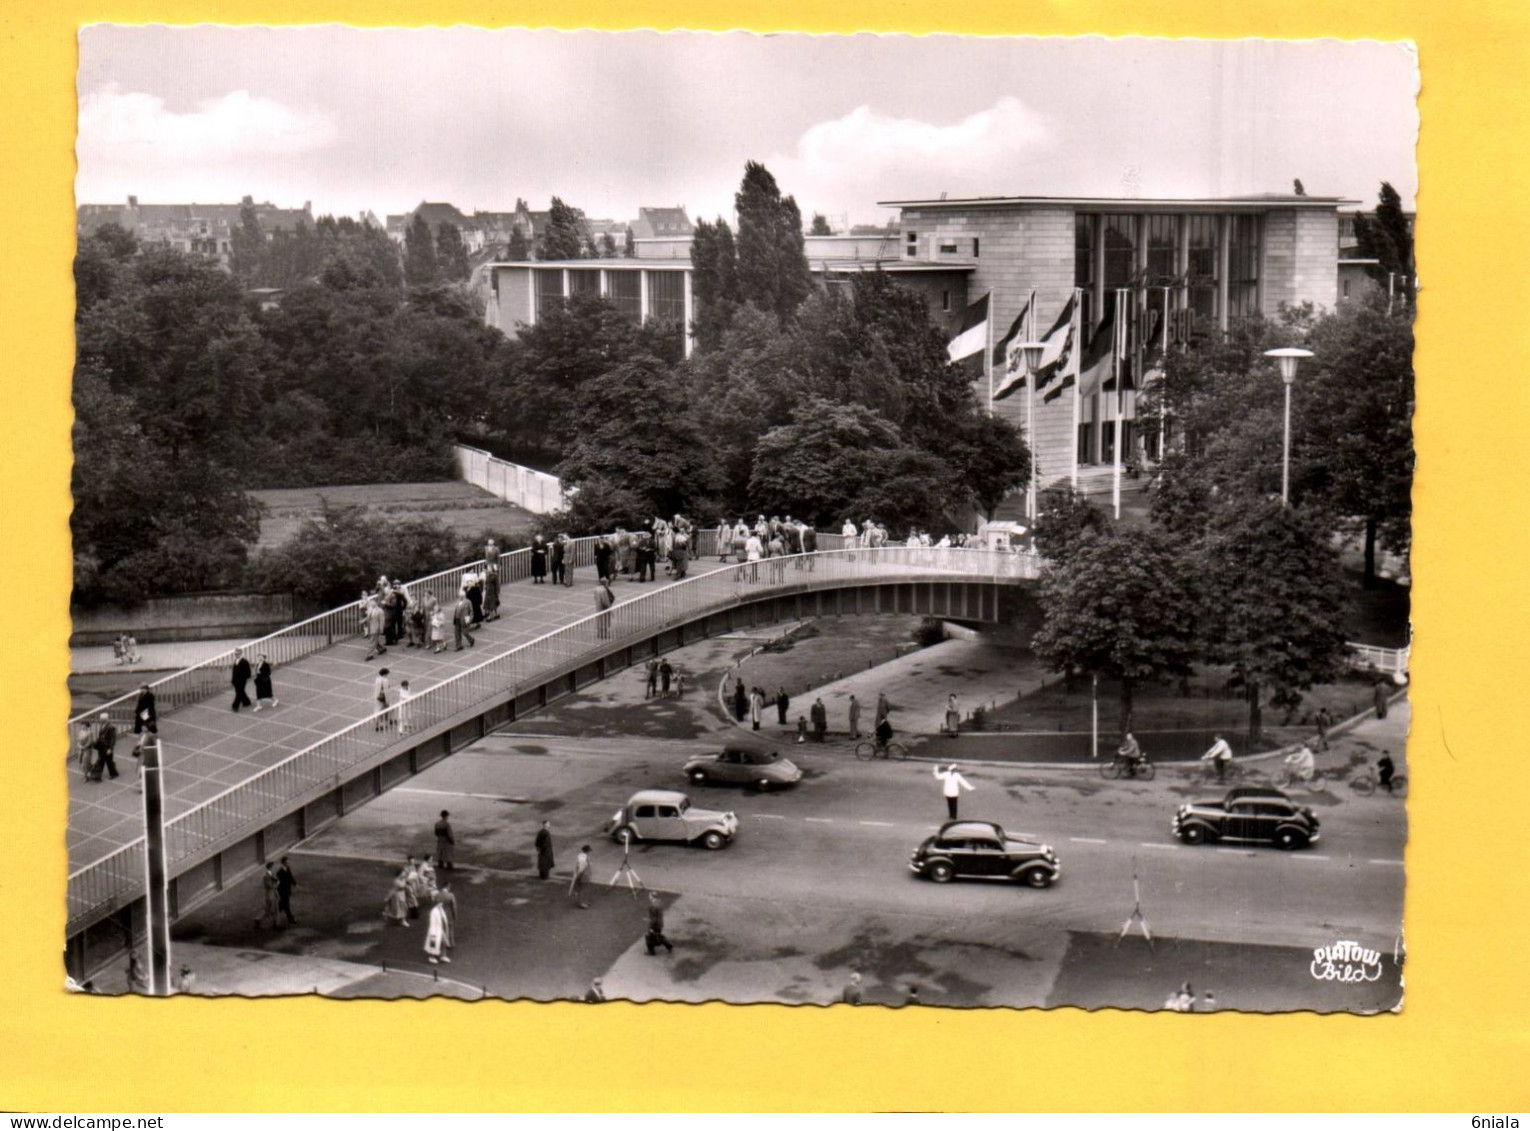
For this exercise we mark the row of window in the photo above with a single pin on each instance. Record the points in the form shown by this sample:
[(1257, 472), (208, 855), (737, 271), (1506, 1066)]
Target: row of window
[(1187, 262), (624, 288), (946, 247)]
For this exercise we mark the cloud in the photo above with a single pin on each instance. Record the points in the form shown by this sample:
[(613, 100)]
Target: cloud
[(128, 127), (849, 163)]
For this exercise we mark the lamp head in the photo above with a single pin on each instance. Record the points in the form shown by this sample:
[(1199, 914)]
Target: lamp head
[(1288, 358), (1032, 352)]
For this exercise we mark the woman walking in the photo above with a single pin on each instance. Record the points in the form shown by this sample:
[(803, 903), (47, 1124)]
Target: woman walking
[(396, 906), (264, 695)]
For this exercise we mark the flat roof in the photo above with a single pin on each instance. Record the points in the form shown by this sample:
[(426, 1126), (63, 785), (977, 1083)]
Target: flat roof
[(594, 264), (1255, 201), (891, 266)]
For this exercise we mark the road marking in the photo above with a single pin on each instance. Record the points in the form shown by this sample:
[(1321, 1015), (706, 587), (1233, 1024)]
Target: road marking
[(1311, 856), (1087, 840), (820, 820), (767, 816), (882, 824), (1393, 863), (1155, 844)]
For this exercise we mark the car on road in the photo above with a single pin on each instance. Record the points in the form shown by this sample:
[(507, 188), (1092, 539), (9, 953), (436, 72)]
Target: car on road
[(664, 814), (983, 849), (762, 769), (1247, 815)]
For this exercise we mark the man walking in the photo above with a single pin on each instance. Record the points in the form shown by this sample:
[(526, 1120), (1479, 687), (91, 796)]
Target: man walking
[(446, 843), (544, 847), (782, 703), (1324, 721), (855, 717), (462, 620), (106, 746), (285, 882), (145, 718), (740, 700), (241, 677), (604, 599), (952, 785), (581, 878), (651, 690), (820, 715), (883, 709), (655, 936), (269, 885)]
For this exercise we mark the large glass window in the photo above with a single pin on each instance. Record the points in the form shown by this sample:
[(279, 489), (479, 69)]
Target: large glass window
[(666, 295), (625, 290), (549, 291), (1243, 267), (1162, 235), (1202, 255), (583, 281), (1083, 268), (1120, 250)]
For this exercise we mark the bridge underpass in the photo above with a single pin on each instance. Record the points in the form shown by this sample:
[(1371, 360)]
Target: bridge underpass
[(244, 787)]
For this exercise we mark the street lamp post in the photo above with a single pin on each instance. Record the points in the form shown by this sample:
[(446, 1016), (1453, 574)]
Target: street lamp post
[(1031, 352), (1288, 358)]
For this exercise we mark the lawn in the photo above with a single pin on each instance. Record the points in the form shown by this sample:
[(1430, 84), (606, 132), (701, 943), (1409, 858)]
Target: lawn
[(466, 509)]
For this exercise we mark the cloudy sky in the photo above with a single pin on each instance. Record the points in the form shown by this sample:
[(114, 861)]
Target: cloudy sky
[(356, 119)]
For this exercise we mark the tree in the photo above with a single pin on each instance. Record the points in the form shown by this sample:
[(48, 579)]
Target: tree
[(835, 459), (714, 281), (518, 250), (629, 245), (635, 424), (421, 267), (565, 232), (248, 245), (820, 225), (1387, 237), (451, 253), (1063, 519), (1272, 601), (1353, 423), (772, 268), (591, 251), (990, 459), (608, 245), (1119, 605)]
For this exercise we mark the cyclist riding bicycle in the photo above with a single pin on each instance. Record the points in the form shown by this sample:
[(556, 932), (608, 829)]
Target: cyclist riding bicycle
[(884, 734), (1303, 763), (1219, 756), (1129, 753)]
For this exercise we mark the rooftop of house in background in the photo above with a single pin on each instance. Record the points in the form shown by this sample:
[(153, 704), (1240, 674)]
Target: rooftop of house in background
[(659, 222)]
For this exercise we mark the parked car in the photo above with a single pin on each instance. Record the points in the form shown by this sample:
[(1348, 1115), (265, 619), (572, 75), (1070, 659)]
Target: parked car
[(984, 849), (664, 814), (1247, 815), (763, 769)]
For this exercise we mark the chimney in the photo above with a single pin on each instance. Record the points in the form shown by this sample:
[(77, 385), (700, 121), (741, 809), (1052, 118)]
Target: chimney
[(132, 202)]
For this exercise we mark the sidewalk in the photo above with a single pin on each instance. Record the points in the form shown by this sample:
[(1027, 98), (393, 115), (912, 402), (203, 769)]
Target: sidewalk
[(156, 658)]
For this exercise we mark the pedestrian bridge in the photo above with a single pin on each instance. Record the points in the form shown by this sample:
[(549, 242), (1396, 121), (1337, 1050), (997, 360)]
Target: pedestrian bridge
[(242, 786)]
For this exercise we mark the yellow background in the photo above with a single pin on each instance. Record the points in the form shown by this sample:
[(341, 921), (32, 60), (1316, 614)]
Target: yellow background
[(1463, 1040)]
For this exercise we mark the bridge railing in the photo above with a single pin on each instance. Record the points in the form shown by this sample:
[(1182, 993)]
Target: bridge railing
[(1389, 660), (311, 772), (212, 676)]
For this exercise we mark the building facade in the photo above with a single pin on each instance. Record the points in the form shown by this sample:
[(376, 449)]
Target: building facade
[(1198, 265), (519, 294)]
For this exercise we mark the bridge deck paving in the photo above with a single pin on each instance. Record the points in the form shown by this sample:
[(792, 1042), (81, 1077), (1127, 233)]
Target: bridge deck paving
[(209, 747)]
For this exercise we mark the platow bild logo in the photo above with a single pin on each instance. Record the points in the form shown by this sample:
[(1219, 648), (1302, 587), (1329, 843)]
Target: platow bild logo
[(1345, 961)]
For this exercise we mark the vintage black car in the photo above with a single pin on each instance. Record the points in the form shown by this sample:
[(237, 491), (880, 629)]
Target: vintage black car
[(982, 849), (1247, 815), (761, 769)]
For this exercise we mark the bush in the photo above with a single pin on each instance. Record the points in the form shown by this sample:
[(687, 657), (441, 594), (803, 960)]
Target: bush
[(930, 630)]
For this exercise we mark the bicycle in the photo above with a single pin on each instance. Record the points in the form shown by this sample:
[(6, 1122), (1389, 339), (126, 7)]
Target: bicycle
[(867, 751), (1285, 777), (1206, 773), (1367, 782), (1119, 767)]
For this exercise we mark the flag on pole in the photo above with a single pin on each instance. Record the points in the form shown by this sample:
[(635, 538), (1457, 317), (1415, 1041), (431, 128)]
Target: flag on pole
[(973, 336), (1007, 352), (1059, 353), (1134, 335), (1100, 358)]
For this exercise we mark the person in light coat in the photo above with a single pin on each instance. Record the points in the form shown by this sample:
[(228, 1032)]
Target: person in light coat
[(952, 784)]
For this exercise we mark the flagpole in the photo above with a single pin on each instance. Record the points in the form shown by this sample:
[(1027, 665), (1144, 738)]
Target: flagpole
[(1116, 348), (1030, 410), (1163, 400), (1078, 341), (988, 353)]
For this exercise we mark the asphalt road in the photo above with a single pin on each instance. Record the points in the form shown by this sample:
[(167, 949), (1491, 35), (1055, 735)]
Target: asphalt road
[(817, 884)]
